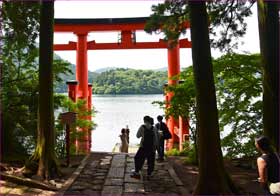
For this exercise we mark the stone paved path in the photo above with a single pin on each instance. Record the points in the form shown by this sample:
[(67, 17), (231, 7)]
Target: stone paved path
[(111, 176)]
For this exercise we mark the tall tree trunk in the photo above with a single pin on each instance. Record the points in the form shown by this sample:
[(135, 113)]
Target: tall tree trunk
[(213, 178), (268, 18), (44, 152), (1, 79)]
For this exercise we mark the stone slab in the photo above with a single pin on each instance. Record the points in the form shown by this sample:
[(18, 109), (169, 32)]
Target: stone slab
[(119, 156), (134, 188), (99, 174), (174, 176), (73, 177), (77, 188), (90, 192), (112, 190), (108, 157), (114, 182), (96, 187), (93, 164), (129, 170), (183, 191), (128, 179), (130, 160), (118, 160), (116, 172), (130, 164)]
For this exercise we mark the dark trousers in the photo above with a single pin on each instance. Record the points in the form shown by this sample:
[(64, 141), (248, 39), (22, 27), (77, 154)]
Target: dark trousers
[(160, 149), (140, 157)]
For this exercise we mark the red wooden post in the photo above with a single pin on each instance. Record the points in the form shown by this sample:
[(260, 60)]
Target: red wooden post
[(82, 66), (72, 94), (82, 77), (72, 89), (89, 117), (184, 131), (89, 97), (173, 70)]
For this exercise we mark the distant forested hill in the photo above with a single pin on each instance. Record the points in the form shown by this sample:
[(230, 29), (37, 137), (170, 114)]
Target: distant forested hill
[(120, 81), (62, 86), (129, 81)]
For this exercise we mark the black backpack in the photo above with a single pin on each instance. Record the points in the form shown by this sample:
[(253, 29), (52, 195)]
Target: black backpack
[(148, 142), (163, 127)]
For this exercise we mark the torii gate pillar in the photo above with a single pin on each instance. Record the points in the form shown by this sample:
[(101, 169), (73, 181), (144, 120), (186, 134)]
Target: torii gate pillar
[(89, 117), (184, 132), (83, 90), (82, 67), (173, 70)]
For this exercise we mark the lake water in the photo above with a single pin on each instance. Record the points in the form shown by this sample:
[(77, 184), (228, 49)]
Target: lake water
[(117, 111)]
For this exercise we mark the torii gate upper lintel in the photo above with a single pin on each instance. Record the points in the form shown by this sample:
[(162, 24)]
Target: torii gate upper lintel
[(127, 27)]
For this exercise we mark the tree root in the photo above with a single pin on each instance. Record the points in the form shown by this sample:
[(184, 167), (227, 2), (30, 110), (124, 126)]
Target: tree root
[(27, 182)]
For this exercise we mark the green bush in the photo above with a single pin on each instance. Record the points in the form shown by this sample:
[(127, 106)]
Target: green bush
[(173, 152), (188, 152), (191, 156), (80, 123)]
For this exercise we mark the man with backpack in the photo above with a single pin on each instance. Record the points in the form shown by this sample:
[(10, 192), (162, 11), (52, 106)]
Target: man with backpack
[(163, 134), (148, 145)]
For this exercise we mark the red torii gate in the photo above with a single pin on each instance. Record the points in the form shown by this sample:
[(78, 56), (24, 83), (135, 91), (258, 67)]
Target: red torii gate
[(127, 26)]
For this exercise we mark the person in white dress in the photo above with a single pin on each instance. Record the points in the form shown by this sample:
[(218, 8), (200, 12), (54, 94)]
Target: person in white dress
[(124, 142)]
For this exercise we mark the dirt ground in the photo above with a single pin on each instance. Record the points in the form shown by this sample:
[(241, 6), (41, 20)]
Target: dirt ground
[(13, 182), (245, 179), (11, 167)]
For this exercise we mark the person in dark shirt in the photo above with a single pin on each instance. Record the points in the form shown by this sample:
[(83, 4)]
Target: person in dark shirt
[(163, 134), (268, 163), (147, 133)]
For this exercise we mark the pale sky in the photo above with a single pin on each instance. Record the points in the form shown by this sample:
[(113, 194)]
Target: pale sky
[(137, 59)]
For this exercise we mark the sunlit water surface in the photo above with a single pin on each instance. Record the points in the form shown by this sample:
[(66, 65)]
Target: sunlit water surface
[(117, 111)]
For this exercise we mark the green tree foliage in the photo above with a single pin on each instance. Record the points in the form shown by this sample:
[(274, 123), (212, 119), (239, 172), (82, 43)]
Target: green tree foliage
[(168, 17), (239, 89), (129, 81), (238, 82), (183, 102), (227, 23), (78, 107), (61, 70), (19, 93), (227, 16), (20, 76)]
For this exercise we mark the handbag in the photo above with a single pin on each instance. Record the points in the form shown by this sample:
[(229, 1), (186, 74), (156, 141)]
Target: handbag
[(274, 188)]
